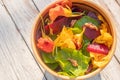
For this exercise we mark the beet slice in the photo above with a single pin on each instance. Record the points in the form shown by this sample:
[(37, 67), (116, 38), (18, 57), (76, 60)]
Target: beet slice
[(58, 24), (91, 31), (98, 48)]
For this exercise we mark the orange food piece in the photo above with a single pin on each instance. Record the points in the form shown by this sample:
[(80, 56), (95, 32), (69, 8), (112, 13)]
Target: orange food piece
[(59, 11), (45, 44), (66, 2)]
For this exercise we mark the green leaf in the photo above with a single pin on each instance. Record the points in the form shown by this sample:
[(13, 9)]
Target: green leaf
[(52, 65), (85, 19), (85, 44), (53, 36), (67, 74), (62, 57), (76, 30), (63, 73), (48, 58)]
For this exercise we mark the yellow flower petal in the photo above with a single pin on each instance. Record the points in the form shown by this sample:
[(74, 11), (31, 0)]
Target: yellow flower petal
[(64, 40), (99, 60), (104, 38)]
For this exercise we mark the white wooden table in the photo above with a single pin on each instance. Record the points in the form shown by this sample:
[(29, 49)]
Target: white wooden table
[(16, 57)]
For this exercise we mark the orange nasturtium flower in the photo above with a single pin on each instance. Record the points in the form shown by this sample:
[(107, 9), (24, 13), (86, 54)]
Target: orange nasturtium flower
[(59, 11), (63, 8), (66, 2)]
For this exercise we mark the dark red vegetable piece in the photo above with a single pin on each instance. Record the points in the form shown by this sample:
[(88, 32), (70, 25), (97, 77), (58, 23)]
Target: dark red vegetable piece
[(89, 69), (57, 25), (91, 31), (76, 9), (98, 48)]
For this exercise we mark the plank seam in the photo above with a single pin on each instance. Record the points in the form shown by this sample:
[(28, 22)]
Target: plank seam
[(117, 59), (35, 6), (117, 2), (21, 35)]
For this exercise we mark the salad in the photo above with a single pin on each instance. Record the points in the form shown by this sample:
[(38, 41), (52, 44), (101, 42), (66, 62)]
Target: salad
[(74, 41)]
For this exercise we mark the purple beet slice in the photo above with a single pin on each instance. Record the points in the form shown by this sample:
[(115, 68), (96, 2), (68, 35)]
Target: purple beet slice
[(58, 24), (91, 31)]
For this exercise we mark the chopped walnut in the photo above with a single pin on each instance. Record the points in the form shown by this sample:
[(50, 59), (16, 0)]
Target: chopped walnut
[(74, 62), (90, 25)]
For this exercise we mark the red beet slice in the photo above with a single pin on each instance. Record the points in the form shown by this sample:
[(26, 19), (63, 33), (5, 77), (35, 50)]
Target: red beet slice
[(58, 24), (98, 48), (91, 31), (45, 44)]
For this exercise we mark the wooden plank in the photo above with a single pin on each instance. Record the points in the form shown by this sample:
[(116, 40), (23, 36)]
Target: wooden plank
[(23, 13), (43, 2), (118, 1), (112, 71), (16, 62), (0, 2)]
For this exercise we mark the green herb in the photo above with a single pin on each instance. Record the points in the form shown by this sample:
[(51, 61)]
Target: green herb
[(52, 65), (85, 44), (48, 58), (76, 30), (62, 57)]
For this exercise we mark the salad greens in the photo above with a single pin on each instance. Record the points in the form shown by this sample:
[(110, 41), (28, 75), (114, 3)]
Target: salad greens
[(63, 57), (85, 19), (71, 48)]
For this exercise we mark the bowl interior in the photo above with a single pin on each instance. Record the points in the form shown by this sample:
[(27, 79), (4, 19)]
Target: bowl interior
[(86, 5)]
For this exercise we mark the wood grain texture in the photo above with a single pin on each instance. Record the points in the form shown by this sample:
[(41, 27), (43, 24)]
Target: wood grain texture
[(41, 4), (112, 71), (16, 62), (23, 13)]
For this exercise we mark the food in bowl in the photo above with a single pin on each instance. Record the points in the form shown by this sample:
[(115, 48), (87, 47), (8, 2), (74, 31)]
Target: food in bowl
[(74, 41)]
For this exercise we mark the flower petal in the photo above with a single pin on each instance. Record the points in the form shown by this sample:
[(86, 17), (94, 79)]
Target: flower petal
[(59, 11)]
